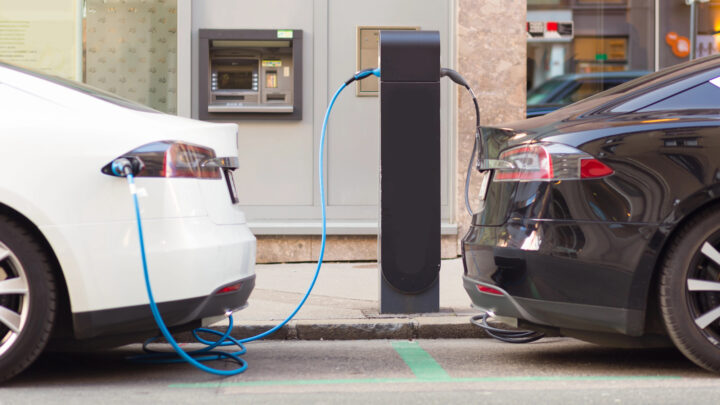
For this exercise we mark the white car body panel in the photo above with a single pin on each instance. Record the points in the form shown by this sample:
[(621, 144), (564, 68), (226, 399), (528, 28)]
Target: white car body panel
[(196, 239)]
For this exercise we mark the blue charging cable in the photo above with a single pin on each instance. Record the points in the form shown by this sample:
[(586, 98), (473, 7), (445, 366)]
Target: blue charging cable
[(123, 167)]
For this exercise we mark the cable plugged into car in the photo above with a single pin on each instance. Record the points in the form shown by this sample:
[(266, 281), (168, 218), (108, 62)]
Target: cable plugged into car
[(516, 171), (177, 159), (173, 159), (125, 166), (477, 145)]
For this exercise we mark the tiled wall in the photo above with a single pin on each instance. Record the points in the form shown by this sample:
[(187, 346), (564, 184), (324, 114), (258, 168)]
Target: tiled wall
[(131, 50)]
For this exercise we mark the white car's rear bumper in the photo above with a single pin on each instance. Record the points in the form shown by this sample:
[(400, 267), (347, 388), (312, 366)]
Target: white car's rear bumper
[(189, 260)]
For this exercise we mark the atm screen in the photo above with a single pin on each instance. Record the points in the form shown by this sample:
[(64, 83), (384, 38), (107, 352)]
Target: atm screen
[(235, 80)]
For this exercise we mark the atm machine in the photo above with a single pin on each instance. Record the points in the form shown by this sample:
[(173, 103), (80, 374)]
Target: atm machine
[(250, 74)]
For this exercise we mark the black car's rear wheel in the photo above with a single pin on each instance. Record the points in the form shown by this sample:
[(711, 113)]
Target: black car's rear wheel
[(690, 290), (27, 298)]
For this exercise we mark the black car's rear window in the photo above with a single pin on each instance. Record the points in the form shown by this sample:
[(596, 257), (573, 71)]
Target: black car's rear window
[(705, 96), (84, 88), (613, 98), (677, 71)]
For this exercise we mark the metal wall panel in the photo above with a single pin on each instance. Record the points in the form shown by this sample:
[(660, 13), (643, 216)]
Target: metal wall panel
[(276, 158), (353, 142), (277, 180)]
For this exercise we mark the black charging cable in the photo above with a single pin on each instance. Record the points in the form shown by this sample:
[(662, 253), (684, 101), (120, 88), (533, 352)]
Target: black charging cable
[(505, 335), (477, 146)]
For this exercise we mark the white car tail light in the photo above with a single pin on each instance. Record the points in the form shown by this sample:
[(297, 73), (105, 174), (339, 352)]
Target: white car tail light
[(173, 159), (549, 162)]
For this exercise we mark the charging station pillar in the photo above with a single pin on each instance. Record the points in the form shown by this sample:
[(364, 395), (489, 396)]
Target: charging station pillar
[(409, 235)]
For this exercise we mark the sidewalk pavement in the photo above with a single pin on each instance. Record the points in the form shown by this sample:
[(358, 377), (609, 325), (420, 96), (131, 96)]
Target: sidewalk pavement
[(344, 305)]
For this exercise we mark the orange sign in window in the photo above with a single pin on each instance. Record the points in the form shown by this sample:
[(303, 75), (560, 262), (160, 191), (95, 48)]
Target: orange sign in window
[(680, 45)]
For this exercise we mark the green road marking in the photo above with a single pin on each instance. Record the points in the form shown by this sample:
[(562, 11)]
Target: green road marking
[(267, 383), (420, 362)]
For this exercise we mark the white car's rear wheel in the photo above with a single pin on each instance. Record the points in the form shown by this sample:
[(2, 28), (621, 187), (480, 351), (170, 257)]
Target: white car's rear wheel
[(27, 298)]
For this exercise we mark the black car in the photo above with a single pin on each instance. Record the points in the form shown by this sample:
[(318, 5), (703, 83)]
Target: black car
[(601, 220), (562, 90)]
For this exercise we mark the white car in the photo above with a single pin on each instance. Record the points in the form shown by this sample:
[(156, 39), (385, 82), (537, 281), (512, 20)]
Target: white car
[(70, 265)]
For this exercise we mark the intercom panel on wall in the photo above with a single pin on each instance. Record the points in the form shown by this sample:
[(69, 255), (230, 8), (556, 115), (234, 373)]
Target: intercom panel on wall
[(250, 74)]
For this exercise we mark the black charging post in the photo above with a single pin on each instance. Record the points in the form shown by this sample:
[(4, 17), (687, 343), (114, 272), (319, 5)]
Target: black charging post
[(409, 238)]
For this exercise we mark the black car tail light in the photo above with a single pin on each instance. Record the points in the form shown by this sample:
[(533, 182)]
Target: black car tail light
[(591, 168), (549, 162), (173, 160), (489, 290)]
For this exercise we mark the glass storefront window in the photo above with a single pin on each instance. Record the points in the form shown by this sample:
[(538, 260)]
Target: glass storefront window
[(42, 35), (130, 49), (580, 47), (125, 47)]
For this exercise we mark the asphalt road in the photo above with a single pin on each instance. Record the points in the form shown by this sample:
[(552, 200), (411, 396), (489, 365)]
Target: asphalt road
[(550, 371)]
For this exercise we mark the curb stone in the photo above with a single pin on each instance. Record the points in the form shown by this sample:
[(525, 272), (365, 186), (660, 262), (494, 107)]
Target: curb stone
[(425, 327)]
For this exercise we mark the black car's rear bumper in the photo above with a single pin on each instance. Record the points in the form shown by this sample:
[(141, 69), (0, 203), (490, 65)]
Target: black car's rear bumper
[(565, 274), (561, 315)]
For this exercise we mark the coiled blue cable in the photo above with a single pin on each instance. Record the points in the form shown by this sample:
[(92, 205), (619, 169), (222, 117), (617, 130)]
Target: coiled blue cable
[(208, 353)]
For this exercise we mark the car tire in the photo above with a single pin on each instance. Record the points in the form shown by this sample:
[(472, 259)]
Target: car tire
[(27, 298), (689, 290)]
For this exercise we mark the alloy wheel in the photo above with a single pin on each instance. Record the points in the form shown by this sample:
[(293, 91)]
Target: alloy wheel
[(14, 298)]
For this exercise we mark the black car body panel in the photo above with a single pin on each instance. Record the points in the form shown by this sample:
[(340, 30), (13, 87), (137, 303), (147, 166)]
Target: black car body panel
[(568, 263), (541, 109), (596, 243)]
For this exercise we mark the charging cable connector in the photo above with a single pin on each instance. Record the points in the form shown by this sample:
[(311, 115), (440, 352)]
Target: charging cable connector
[(125, 166), (363, 74)]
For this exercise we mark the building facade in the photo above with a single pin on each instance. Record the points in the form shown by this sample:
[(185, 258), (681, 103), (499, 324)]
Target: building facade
[(151, 51)]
